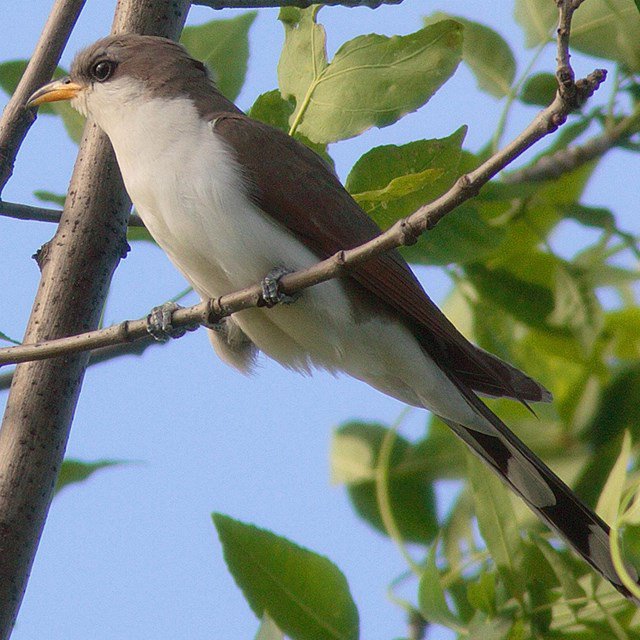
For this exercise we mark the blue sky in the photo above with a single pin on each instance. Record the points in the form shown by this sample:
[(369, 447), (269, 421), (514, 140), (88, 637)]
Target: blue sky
[(133, 553)]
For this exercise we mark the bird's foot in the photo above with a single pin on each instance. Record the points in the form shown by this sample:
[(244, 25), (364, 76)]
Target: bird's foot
[(271, 293), (220, 327), (159, 323)]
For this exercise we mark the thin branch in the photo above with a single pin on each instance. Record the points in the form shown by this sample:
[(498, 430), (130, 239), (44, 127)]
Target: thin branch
[(16, 120), (26, 212), (43, 214), (556, 164), (99, 356), (567, 87), (403, 232), (303, 4)]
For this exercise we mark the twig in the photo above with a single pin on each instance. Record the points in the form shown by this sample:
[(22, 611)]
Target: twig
[(303, 4), (556, 164), (403, 232), (16, 120), (99, 356), (75, 279), (43, 214), (569, 90)]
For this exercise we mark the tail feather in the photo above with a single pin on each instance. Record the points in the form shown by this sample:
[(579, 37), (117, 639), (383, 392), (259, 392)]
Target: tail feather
[(545, 493)]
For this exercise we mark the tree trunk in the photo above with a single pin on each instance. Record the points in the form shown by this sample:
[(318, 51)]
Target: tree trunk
[(77, 265)]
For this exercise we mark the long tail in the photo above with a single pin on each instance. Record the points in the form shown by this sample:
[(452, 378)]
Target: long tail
[(548, 496)]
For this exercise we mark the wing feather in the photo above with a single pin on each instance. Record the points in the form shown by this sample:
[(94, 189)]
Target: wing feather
[(295, 187)]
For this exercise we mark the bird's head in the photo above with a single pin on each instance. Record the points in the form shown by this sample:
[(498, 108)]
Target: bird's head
[(118, 71)]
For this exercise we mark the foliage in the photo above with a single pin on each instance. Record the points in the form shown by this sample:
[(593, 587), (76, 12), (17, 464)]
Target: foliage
[(74, 471), (305, 594), (487, 568)]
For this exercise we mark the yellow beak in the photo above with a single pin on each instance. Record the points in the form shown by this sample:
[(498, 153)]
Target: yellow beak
[(62, 89)]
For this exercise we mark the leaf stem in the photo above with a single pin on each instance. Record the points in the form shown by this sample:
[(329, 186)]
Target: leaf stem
[(383, 494), (511, 96), (316, 75)]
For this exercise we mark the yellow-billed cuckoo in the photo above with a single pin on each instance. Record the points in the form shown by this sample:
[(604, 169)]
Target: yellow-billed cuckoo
[(230, 200)]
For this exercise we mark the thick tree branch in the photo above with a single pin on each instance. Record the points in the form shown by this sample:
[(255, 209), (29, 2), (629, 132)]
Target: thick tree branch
[(75, 278), (44, 214), (403, 232), (303, 4), (16, 120)]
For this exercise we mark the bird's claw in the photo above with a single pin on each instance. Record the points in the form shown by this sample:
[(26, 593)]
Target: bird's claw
[(159, 323), (271, 293)]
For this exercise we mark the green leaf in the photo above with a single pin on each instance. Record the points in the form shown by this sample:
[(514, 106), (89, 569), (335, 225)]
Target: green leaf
[(390, 182), (618, 409), (608, 29), (304, 593), (49, 196), (494, 629), (73, 471), (571, 589), (528, 302), (398, 188), (486, 52), (72, 120), (630, 533), (459, 535), (273, 109), (622, 329), (593, 475), (10, 74), (459, 238), (609, 501), (355, 451), (304, 54), (497, 523), (139, 234), (441, 453), (540, 585), (575, 305), (373, 80), (268, 630), (537, 211), (596, 217), (539, 89), (223, 45), (431, 596), (537, 19), (482, 594)]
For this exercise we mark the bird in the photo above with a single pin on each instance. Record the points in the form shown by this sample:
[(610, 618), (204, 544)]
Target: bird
[(234, 202)]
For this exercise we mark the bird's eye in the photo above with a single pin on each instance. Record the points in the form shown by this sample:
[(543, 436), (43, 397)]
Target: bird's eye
[(102, 70)]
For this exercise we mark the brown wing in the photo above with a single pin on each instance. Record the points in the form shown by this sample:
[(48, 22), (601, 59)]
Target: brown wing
[(294, 186)]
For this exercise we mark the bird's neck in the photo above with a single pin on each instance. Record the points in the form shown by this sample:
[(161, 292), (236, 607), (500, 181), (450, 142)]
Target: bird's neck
[(151, 129), (144, 126)]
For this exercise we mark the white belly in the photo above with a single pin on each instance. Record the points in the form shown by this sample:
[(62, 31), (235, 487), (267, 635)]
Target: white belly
[(200, 215)]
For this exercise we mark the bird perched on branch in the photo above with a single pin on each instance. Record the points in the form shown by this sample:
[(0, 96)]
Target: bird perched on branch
[(233, 202)]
